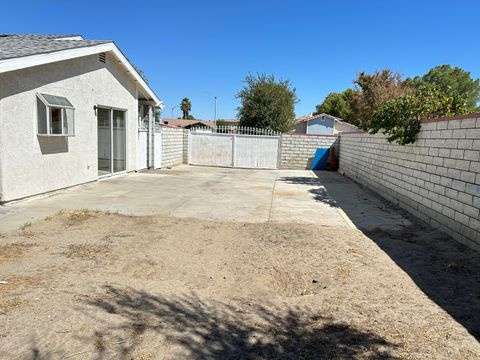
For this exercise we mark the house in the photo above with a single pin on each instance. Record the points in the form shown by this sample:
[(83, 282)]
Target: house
[(71, 111), (322, 124), (188, 124)]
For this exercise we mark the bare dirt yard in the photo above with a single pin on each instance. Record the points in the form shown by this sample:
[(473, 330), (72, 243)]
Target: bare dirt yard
[(93, 285)]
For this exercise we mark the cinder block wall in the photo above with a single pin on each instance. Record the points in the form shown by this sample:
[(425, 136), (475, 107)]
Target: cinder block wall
[(436, 178), (185, 146), (297, 151), (172, 146)]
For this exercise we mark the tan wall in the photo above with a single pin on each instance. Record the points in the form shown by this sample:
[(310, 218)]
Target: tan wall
[(172, 146), (436, 179), (297, 151)]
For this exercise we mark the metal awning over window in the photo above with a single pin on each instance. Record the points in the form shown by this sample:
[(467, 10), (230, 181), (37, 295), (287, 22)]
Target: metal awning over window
[(55, 116), (56, 101)]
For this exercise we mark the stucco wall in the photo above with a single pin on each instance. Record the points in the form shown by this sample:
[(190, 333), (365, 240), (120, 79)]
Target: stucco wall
[(436, 179), (297, 151), (339, 127), (40, 164), (320, 126), (172, 146), (301, 127)]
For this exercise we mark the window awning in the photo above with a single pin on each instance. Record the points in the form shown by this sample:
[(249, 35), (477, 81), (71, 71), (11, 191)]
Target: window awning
[(56, 101)]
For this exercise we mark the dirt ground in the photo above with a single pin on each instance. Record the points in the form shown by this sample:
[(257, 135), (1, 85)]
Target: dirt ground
[(91, 285)]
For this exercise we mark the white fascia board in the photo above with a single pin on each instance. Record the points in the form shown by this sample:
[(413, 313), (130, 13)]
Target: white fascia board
[(41, 59), (136, 75)]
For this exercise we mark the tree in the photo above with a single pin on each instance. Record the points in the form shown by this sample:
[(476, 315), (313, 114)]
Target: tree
[(339, 105), (374, 91), (453, 81), (399, 118), (267, 103), (140, 72), (186, 107)]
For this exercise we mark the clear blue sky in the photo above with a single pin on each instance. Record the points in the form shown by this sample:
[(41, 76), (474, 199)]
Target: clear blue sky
[(199, 49)]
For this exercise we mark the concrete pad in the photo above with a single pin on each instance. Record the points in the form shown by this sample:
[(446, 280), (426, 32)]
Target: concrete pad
[(186, 191), (217, 194), (365, 209)]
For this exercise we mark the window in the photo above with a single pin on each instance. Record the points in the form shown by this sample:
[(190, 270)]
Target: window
[(54, 116)]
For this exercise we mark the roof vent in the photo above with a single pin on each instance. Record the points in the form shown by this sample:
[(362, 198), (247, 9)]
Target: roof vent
[(101, 57)]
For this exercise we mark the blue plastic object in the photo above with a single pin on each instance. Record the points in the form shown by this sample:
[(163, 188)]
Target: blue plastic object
[(319, 161)]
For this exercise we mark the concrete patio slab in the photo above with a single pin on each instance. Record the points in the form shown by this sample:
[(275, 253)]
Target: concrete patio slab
[(217, 194)]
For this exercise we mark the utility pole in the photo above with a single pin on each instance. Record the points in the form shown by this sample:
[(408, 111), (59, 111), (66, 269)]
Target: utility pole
[(215, 113), (172, 110)]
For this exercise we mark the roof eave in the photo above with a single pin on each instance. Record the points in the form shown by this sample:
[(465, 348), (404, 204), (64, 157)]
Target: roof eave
[(13, 64)]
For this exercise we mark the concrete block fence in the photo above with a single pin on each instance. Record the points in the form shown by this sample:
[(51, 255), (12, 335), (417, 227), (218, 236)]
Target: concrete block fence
[(436, 179), (297, 151), (173, 148)]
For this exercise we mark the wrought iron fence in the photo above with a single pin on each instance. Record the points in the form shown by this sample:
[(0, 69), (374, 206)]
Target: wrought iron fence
[(232, 129)]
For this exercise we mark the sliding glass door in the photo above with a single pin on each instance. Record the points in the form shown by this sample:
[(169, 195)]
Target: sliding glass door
[(111, 127), (104, 141), (119, 141)]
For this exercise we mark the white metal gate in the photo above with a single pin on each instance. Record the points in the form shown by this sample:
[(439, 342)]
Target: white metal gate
[(241, 150)]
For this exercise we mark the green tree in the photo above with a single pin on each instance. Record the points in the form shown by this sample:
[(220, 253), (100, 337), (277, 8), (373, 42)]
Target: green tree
[(140, 72), (453, 81), (267, 103), (186, 107), (339, 104), (375, 90), (399, 118)]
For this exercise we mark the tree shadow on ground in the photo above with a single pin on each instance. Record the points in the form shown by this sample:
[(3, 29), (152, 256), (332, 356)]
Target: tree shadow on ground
[(319, 192), (445, 270), (215, 330)]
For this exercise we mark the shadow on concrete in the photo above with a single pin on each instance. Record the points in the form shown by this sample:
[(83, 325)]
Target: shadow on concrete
[(446, 271), (215, 330), (318, 191)]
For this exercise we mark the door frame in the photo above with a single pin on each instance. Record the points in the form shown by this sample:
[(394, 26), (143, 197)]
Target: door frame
[(125, 111)]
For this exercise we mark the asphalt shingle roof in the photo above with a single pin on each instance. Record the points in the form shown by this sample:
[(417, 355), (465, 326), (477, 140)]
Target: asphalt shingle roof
[(15, 46)]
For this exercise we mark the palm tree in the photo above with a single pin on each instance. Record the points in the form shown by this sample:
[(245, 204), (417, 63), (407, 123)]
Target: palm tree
[(185, 106)]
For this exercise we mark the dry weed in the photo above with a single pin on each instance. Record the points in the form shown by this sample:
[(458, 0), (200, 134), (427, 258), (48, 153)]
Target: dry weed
[(84, 251), (8, 305), (10, 251)]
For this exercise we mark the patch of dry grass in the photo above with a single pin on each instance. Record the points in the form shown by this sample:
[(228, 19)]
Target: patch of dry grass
[(11, 251), (8, 305), (84, 251), (343, 270), (73, 217), (15, 281)]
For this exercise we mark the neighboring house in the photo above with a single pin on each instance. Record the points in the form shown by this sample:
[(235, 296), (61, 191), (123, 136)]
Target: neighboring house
[(188, 124), (322, 124), (70, 111)]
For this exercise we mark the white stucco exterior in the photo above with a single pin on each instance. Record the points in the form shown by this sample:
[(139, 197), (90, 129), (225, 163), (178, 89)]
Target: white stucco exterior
[(31, 164), (322, 124)]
